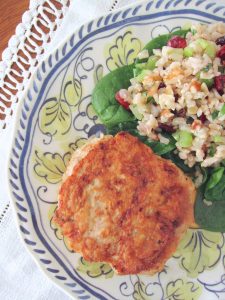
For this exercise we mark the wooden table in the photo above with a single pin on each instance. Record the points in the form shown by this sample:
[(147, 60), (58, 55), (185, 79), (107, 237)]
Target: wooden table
[(10, 15), (11, 12)]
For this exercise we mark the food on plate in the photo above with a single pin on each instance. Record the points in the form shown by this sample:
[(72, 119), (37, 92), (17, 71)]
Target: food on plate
[(120, 203), (173, 99), (180, 90)]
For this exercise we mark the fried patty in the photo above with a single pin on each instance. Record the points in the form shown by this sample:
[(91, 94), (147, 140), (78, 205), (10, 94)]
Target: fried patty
[(120, 203)]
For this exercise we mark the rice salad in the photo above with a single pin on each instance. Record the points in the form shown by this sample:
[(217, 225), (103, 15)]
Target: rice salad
[(180, 90)]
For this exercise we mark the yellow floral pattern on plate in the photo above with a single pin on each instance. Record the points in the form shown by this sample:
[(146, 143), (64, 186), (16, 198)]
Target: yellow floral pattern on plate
[(199, 250), (122, 51)]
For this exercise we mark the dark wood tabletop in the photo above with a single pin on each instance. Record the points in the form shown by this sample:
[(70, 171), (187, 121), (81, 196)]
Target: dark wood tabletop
[(11, 12)]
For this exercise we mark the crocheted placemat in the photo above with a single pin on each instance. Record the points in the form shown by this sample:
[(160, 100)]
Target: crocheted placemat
[(25, 49)]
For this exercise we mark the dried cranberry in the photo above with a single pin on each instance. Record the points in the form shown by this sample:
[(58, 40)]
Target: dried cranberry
[(221, 41), (176, 96), (180, 113), (121, 101), (162, 85), (177, 42), (167, 127), (219, 82), (203, 118), (221, 53)]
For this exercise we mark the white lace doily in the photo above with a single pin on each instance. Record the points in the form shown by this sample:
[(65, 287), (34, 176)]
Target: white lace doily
[(25, 49)]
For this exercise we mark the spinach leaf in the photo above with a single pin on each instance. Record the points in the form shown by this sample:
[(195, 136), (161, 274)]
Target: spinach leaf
[(160, 41), (125, 126), (209, 217), (160, 148), (215, 178), (215, 187), (178, 162), (205, 174), (104, 103)]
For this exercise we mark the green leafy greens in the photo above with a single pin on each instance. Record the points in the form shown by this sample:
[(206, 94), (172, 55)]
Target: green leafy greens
[(215, 187), (107, 108)]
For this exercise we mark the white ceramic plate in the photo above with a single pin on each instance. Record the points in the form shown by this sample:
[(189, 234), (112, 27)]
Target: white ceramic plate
[(55, 117)]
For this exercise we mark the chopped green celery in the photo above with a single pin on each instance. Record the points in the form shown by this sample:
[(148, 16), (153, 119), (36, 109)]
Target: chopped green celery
[(188, 52), (193, 31), (208, 82), (211, 50), (140, 66), (151, 63), (218, 139), (136, 72), (151, 99), (208, 47), (183, 138), (221, 69), (215, 114), (142, 75), (187, 26), (193, 46), (212, 150), (175, 53), (135, 111), (203, 43), (222, 111)]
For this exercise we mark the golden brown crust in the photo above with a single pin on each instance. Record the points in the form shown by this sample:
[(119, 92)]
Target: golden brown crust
[(126, 206)]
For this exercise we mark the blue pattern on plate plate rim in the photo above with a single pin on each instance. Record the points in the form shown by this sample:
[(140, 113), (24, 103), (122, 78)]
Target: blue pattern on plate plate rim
[(23, 205)]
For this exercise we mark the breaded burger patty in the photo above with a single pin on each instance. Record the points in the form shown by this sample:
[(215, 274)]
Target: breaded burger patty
[(120, 203)]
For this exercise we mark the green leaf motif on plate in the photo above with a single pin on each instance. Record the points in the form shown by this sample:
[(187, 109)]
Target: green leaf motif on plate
[(95, 270), (55, 116), (183, 290), (73, 92), (50, 166), (98, 73), (123, 51), (199, 250), (80, 142), (140, 292), (92, 114)]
